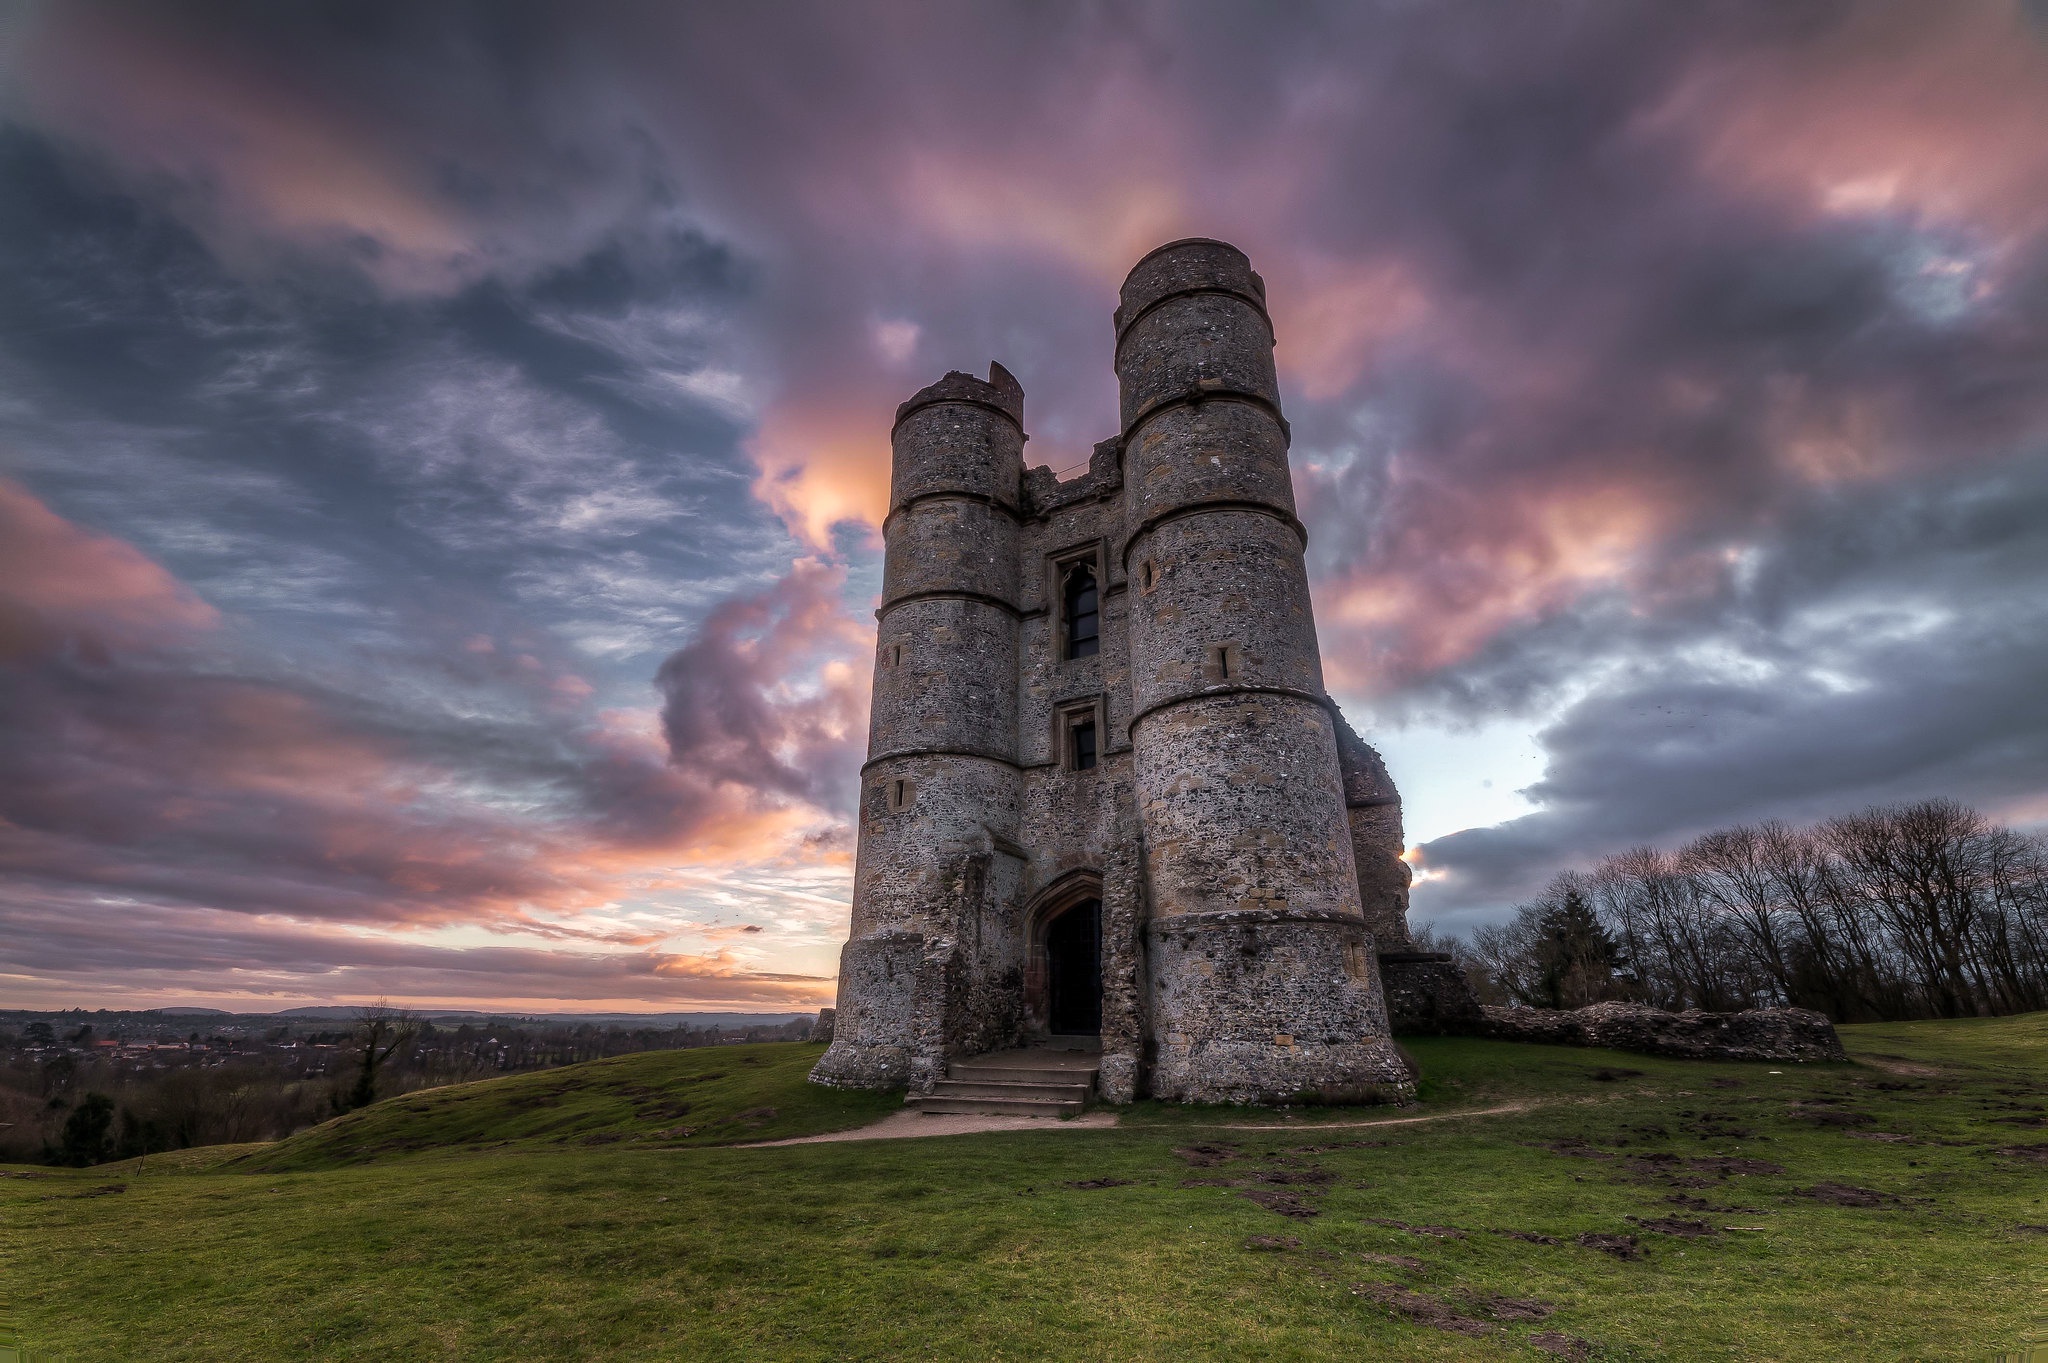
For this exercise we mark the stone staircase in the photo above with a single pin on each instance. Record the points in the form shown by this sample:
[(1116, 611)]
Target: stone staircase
[(1037, 1081)]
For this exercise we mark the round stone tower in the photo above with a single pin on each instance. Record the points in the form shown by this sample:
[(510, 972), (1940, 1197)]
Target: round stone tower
[(1265, 985), (940, 784)]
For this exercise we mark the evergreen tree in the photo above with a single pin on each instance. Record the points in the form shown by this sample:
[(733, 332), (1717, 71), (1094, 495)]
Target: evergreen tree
[(1575, 956), (85, 1139)]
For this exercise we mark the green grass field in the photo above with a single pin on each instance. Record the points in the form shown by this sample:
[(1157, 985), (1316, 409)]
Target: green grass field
[(1888, 1209)]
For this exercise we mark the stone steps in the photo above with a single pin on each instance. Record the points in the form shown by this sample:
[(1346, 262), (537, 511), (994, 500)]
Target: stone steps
[(1026, 1083), (971, 1073), (988, 1088), (998, 1107)]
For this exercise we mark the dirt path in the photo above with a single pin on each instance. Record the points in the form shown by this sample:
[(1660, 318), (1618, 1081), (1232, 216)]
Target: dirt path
[(908, 1124), (911, 1125), (1523, 1106)]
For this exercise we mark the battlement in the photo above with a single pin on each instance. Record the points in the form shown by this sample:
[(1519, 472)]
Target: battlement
[(1000, 393)]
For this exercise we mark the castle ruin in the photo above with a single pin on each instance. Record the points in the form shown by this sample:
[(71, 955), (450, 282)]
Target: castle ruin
[(1106, 795)]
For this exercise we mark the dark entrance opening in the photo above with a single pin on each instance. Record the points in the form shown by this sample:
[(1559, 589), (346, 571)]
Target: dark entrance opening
[(1073, 959)]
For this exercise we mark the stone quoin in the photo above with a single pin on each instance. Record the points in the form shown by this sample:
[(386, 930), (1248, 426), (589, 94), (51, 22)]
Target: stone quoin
[(1106, 795)]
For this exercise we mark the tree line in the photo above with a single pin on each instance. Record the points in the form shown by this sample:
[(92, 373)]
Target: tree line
[(1924, 910)]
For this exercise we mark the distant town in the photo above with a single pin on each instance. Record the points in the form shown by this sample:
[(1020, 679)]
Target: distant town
[(133, 1082)]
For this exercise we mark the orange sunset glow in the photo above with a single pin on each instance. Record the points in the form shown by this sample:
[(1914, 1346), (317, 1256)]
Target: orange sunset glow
[(441, 471)]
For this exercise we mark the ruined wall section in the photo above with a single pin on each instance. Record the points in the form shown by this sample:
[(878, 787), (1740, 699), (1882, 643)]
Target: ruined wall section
[(930, 971), (1373, 807), (1263, 979)]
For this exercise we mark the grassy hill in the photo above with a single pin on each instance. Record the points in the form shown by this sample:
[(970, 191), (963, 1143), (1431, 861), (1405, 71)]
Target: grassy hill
[(1538, 1202), (713, 1096)]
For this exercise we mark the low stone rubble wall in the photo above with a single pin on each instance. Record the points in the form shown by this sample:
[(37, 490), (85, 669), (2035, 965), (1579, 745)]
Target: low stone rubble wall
[(1783, 1034)]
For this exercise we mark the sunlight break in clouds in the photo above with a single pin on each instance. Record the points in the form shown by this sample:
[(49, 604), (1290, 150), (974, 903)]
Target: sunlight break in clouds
[(1620, 344)]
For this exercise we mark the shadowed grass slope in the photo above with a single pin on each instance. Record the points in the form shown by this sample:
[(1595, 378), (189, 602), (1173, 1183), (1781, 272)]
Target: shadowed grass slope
[(1887, 1209), (709, 1096)]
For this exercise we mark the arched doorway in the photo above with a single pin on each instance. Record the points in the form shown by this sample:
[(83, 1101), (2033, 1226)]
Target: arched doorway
[(1073, 970), (1063, 958)]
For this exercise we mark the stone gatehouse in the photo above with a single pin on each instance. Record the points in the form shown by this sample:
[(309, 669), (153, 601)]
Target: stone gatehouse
[(1106, 794)]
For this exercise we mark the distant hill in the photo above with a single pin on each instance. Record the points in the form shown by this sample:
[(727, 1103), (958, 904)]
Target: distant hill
[(342, 1013)]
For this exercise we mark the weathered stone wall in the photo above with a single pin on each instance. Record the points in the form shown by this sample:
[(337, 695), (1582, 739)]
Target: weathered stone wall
[(1266, 1006), (960, 436), (1242, 808), (1428, 995), (936, 961), (1373, 807), (1781, 1034), (1126, 1006), (1217, 827), (1263, 982), (953, 686), (1224, 579)]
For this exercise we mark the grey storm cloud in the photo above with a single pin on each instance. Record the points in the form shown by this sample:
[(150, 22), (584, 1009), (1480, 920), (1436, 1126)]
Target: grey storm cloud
[(513, 380)]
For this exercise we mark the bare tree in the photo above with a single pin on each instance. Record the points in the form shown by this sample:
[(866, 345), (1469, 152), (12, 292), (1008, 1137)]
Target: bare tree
[(1897, 912), (380, 1031)]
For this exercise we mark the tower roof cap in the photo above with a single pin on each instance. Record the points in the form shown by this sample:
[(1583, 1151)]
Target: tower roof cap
[(1190, 265)]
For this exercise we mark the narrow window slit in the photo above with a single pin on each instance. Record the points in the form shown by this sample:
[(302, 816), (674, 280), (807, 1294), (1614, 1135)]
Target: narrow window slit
[(1084, 638), (1084, 745)]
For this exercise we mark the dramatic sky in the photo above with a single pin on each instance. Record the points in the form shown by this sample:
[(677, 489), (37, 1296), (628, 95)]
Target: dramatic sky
[(441, 444)]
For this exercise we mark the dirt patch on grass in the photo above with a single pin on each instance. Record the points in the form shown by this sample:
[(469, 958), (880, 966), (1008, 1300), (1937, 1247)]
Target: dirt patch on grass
[(1898, 1064), (1102, 1183), (1207, 1156), (1563, 1345), (1620, 1246), (1437, 1313), (1284, 1204), (1891, 1137), (1529, 1237), (1271, 1244), (1846, 1195), (1675, 1225), (1726, 1165), (1514, 1309), (2037, 1154), (104, 1190), (1400, 1261), (1312, 1178), (1419, 1308), (1700, 1204), (1832, 1116), (1433, 1232)]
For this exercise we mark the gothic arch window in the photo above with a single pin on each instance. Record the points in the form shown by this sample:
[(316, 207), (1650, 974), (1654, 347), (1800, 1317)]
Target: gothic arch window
[(1083, 612)]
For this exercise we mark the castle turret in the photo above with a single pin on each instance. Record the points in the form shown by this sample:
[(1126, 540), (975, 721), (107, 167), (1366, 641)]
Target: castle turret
[(939, 790), (1264, 979)]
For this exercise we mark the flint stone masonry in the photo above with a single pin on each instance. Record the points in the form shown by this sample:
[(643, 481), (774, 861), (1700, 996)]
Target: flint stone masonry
[(1784, 1034), (1236, 843), (1428, 995)]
